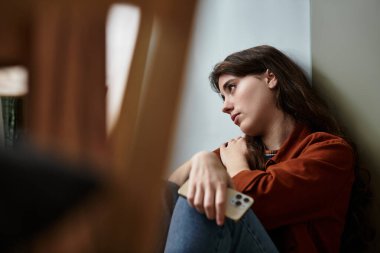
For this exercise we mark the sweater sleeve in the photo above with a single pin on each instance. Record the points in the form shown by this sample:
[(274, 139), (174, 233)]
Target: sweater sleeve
[(315, 184)]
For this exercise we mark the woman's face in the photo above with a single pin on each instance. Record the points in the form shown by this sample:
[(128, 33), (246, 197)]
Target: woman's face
[(250, 101)]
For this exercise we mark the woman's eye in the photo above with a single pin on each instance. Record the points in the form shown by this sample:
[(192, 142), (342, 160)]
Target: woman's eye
[(230, 87)]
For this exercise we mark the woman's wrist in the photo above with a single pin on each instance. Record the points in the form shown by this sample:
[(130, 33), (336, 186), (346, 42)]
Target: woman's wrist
[(236, 168), (234, 173)]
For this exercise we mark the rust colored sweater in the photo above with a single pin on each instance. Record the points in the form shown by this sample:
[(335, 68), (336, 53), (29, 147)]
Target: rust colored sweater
[(302, 195)]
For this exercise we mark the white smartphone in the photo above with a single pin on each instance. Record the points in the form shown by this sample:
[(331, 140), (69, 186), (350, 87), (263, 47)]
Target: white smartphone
[(237, 202)]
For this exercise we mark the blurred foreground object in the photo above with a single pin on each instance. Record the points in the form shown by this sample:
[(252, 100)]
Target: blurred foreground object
[(35, 190), (62, 45), (13, 81)]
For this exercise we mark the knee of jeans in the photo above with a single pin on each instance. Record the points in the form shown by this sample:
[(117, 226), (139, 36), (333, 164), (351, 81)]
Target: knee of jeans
[(250, 215), (182, 203), (183, 207)]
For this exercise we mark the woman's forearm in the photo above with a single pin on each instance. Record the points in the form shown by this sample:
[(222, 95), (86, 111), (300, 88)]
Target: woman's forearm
[(180, 175)]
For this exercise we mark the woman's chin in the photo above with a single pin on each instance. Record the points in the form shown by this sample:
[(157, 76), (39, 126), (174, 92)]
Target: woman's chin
[(245, 130), (249, 130)]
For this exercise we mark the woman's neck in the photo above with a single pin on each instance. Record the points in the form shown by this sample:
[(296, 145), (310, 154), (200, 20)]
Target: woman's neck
[(279, 131)]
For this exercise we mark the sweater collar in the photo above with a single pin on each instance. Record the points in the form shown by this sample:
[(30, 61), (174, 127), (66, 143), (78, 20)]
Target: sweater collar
[(299, 133)]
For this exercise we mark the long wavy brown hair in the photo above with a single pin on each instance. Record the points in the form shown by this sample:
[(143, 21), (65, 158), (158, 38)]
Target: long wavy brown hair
[(297, 98)]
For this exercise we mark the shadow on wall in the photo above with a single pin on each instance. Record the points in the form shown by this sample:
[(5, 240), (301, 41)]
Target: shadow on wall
[(365, 136)]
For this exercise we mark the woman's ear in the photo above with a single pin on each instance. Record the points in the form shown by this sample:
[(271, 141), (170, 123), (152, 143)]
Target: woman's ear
[(271, 79)]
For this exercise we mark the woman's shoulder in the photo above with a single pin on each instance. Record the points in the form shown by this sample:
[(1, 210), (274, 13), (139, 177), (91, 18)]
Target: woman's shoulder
[(303, 137), (325, 138), (327, 143), (306, 143)]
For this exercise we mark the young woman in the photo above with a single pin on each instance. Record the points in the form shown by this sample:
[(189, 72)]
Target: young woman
[(292, 160)]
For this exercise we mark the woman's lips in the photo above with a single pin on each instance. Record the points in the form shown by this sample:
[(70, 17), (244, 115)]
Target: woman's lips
[(234, 118)]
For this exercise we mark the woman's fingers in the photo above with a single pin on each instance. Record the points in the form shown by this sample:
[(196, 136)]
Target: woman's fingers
[(220, 203), (191, 193), (232, 141), (209, 203), (198, 199)]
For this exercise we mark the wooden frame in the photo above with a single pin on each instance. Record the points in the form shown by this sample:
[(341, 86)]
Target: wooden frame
[(63, 45)]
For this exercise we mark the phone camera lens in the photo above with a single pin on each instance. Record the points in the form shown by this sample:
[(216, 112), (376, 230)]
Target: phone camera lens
[(238, 203), (246, 200), (238, 196)]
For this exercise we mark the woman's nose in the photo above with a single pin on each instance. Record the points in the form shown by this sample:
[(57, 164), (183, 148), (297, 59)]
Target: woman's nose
[(227, 106)]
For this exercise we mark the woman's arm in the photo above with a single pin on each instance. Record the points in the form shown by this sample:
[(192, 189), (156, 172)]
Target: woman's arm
[(305, 186), (180, 175), (208, 181)]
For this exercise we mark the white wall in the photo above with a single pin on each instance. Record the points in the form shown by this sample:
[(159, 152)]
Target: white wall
[(223, 27)]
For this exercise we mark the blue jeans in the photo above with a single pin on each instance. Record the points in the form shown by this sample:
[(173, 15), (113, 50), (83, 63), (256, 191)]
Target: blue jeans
[(191, 232)]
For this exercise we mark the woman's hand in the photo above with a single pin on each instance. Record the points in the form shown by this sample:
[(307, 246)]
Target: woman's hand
[(234, 156), (208, 182)]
